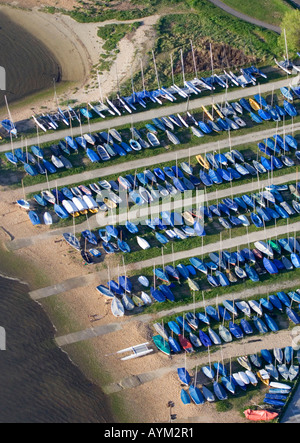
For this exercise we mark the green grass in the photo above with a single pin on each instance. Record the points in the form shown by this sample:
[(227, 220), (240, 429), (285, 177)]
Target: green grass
[(99, 11), (112, 34), (235, 43), (183, 294), (269, 11), (81, 163)]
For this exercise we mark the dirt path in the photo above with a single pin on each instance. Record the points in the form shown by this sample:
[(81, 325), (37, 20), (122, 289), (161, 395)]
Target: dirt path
[(149, 114), (245, 17), (246, 346), (161, 158), (131, 51), (95, 277)]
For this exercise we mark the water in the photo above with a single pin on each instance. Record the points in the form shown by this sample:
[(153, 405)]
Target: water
[(30, 66), (39, 384)]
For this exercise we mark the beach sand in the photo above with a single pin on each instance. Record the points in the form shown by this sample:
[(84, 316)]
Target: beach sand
[(71, 311), (77, 49), (30, 4)]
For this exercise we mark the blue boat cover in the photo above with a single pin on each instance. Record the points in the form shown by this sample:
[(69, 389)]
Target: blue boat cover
[(184, 376)]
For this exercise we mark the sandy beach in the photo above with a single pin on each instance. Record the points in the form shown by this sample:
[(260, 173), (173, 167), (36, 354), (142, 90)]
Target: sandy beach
[(133, 385), (77, 49), (139, 389)]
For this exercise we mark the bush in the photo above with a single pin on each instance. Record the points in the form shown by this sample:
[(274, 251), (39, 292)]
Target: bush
[(223, 406)]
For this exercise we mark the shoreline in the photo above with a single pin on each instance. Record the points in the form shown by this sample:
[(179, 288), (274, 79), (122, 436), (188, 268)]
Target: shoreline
[(95, 357), (74, 45), (51, 261), (77, 358), (88, 355), (78, 49)]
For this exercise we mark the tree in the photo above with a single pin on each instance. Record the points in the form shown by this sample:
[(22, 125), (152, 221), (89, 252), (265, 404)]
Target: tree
[(291, 24)]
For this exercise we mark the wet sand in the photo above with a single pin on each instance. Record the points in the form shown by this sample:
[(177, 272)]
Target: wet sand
[(29, 66), (77, 49), (39, 383), (74, 46)]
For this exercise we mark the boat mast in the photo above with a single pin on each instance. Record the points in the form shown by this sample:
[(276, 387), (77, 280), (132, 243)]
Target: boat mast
[(162, 257), (132, 85), (182, 67), (211, 60), (286, 47), (194, 60), (55, 94), (143, 78), (100, 89), (195, 380), (156, 72), (172, 69)]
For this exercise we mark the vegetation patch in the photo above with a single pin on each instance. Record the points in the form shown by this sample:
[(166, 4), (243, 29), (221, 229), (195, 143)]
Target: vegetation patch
[(269, 11), (112, 34)]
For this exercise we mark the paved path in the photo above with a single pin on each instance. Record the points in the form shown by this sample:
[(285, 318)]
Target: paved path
[(120, 168), (95, 222), (97, 331), (150, 114), (230, 243), (94, 278), (245, 17), (246, 346)]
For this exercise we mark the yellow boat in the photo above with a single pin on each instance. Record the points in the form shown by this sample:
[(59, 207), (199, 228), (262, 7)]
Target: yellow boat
[(137, 301), (75, 214), (254, 105), (109, 203), (193, 285), (207, 113), (84, 212), (218, 111), (202, 161), (231, 277), (263, 378), (94, 211)]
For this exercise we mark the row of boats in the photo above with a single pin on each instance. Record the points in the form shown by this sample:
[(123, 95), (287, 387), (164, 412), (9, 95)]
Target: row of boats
[(257, 368), (194, 330), (148, 186), (226, 268), (109, 145), (265, 206), (45, 122), (105, 146)]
